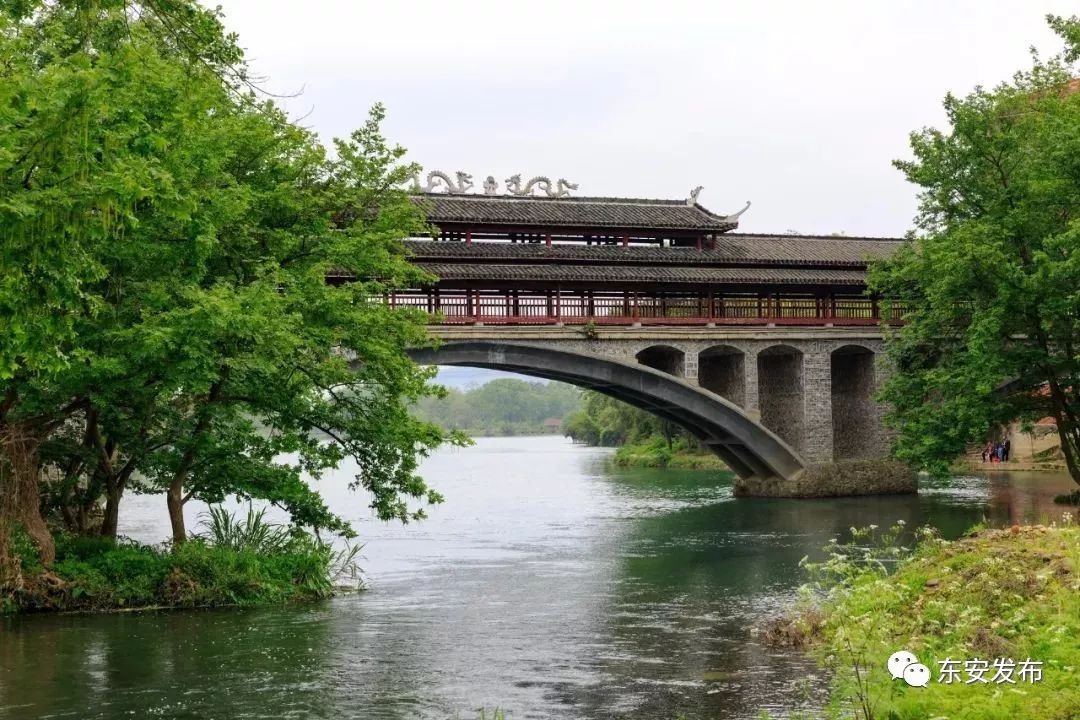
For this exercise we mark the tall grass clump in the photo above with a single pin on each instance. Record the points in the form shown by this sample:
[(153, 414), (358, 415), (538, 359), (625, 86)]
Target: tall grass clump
[(223, 529)]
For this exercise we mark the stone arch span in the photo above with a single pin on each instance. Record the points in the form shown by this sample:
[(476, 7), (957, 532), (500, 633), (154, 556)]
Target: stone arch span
[(746, 446)]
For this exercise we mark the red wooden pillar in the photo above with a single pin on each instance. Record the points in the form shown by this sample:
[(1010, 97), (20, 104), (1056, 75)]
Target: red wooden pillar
[(625, 240), (591, 309), (558, 303), (875, 311), (468, 237), (635, 312), (469, 310), (626, 303), (438, 300), (711, 311), (547, 239), (699, 242), (550, 306)]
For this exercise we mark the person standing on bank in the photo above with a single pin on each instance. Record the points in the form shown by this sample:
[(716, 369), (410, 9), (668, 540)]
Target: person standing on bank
[(1005, 450)]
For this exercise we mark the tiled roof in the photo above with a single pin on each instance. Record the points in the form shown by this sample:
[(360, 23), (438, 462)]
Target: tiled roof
[(631, 273), (573, 212), (730, 249)]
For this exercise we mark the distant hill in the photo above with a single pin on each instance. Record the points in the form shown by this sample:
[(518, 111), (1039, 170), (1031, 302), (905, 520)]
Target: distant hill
[(463, 378), (503, 406)]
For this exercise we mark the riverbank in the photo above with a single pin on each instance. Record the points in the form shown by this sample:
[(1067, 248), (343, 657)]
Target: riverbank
[(1009, 595), (968, 466), (93, 574), (656, 453)]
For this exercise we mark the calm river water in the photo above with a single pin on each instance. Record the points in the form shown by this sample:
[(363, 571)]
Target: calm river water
[(546, 585)]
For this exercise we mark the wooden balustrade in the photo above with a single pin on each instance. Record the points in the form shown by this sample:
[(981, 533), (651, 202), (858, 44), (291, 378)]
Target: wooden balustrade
[(580, 307)]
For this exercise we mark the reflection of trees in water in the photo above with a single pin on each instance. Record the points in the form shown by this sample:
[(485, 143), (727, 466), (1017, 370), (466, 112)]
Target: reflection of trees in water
[(1026, 497), (695, 581), (181, 664)]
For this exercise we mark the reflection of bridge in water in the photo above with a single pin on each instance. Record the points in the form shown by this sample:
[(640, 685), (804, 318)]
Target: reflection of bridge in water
[(763, 346)]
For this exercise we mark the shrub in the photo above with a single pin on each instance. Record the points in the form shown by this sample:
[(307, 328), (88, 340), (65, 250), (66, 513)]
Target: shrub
[(996, 593)]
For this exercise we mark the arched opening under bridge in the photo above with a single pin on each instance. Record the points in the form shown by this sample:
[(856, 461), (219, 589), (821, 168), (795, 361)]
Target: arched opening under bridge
[(781, 395), (853, 410), (663, 358), (722, 370)]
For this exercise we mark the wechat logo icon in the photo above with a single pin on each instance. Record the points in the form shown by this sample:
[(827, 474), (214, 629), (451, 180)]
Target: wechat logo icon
[(903, 664)]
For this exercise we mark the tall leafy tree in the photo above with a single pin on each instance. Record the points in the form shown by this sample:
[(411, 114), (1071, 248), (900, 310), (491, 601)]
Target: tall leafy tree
[(991, 275), (190, 340), (89, 115)]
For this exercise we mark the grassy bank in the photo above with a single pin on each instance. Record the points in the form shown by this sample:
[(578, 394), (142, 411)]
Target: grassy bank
[(1012, 594), (655, 453), (240, 563)]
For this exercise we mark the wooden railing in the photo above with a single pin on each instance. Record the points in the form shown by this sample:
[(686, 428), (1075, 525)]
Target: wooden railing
[(578, 308)]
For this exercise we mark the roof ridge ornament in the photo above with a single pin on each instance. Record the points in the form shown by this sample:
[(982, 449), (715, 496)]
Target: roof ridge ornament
[(436, 177), (692, 200), (561, 189), (736, 215)]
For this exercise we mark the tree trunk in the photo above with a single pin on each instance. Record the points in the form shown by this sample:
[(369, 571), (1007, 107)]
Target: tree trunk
[(20, 501), (112, 511), (175, 500), (1069, 447)]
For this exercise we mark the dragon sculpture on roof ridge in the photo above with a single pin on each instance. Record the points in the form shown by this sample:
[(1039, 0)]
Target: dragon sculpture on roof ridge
[(562, 189), (437, 177)]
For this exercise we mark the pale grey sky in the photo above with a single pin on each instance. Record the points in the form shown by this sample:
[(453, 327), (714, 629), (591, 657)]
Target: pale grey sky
[(796, 106)]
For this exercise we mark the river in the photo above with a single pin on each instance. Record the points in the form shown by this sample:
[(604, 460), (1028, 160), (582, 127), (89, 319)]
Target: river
[(547, 585)]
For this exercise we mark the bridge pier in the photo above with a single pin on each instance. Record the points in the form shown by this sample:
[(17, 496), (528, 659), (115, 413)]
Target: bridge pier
[(750, 369), (818, 407)]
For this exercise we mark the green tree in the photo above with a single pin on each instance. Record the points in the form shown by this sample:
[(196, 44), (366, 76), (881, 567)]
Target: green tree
[(197, 341), (605, 421), (992, 274)]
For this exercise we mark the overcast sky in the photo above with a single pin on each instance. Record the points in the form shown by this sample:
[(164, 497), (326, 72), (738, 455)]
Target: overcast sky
[(796, 106)]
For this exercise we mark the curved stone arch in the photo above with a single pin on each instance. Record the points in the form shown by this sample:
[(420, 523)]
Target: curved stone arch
[(663, 357), (779, 348), (781, 395), (746, 446), (858, 345), (721, 369)]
